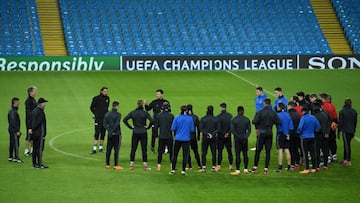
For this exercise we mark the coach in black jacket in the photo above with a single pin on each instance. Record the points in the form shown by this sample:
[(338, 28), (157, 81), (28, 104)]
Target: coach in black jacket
[(38, 125), (112, 125), (14, 130), (347, 125), (139, 117), (99, 107), (30, 105)]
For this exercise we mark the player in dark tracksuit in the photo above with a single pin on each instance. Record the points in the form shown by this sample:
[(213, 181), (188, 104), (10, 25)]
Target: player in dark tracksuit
[(30, 105), (38, 126), (224, 137), (241, 129), (139, 117), (294, 143), (156, 106), (209, 126), (264, 121), (14, 131), (99, 107), (194, 137), (163, 125), (112, 125), (321, 137), (347, 125)]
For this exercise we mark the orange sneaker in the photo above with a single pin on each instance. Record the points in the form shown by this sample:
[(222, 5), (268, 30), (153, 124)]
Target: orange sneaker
[(118, 168), (158, 168), (313, 170), (132, 167), (231, 168), (266, 172), (305, 171), (325, 168), (108, 166), (235, 173), (348, 163), (217, 168)]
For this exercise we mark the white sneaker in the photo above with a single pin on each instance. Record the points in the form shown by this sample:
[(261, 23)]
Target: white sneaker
[(166, 150), (183, 173)]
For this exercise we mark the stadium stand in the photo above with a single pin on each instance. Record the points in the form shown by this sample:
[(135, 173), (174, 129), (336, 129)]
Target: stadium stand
[(349, 15), (184, 27), (19, 29)]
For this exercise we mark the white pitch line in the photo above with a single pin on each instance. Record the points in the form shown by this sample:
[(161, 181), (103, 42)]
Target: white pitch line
[(52, 140), (249, 82)]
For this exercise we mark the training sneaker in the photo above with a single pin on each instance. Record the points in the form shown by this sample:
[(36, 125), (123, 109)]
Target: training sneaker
[(146, 168), (42, 166), (19, 161), (254, 170), (10, 159), (246, 171), (304, 171), (231, 168), (313, 171), (325, 168), (183, 173), (166, 150), (266, 172), (203, 170), (235, 173), (217, 168), (213, 169), (93, 152), (108, 166), (279, 170), (172, 172), (101, 150), (132, 167), (158, 168), (27, 154), (118, 168)]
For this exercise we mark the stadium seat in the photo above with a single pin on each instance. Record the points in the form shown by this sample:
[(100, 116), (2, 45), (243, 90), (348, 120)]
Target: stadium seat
[(20, 29), (201, 27)]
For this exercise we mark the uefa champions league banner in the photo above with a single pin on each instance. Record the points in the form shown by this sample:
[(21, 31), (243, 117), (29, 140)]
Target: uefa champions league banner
[(179, 63)]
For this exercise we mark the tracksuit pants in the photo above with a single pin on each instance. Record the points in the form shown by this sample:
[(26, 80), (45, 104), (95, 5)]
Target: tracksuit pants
[(14, 145), (332, 142), (136, 138), (322, 145), (206, 142), (261, 140), (295, 149), (185, 148), (113, 142), (220, 144), (38, 148), (99, 129), (309, 145), (241, 145), (347, 137), (161, 149), (195, 148)]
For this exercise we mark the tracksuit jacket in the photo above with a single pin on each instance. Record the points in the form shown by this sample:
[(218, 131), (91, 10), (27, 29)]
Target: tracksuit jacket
[(139, 117), (324, 120), (240, 127), (99, 106), (225, 123), (265, 119), (308, 125), (183, 125), (112, 122), (347, 119), (163, 124)]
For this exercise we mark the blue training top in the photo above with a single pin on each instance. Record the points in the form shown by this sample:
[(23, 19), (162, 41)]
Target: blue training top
[(286, 124), (183, 125), (259, 102), (281, 99), (308, 125)]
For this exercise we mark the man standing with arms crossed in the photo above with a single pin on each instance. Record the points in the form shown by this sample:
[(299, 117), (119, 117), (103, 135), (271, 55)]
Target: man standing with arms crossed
[(14, 131), (112, 125), (30, 105), (264, 121), (224, 137), (156, 105), (38, 126), (99, 107)]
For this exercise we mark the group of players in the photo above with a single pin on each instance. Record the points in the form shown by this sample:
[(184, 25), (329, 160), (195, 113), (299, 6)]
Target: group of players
[(305, 125)]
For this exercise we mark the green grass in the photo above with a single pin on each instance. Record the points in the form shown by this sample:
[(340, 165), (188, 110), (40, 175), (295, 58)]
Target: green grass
[(84, 178)]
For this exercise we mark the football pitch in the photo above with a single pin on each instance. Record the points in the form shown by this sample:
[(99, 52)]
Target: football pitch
[(76, 176)]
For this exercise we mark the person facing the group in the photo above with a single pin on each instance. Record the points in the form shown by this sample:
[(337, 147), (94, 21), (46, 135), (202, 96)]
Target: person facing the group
[(183, 126), (99, 107), (264, 121), (139, 128), (347, 127)]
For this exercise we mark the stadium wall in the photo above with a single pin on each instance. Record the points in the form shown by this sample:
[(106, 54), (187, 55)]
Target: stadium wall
[(179, 63)]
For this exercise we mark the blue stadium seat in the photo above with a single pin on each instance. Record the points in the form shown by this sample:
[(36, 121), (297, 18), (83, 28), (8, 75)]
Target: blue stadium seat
[(199, 27), (20, 29)]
